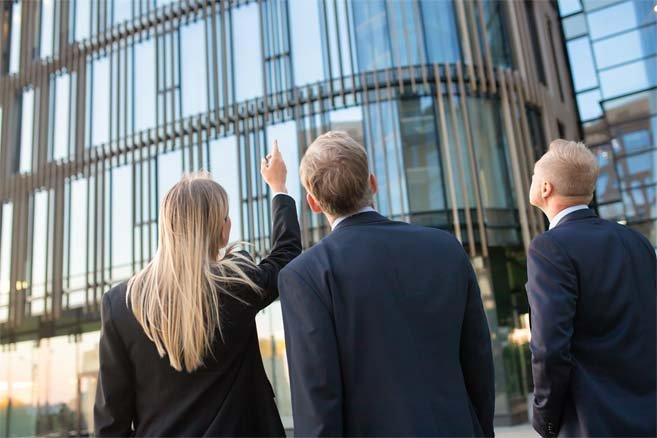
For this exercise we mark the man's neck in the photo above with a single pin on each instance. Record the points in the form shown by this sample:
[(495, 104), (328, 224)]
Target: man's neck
[(556, 207)]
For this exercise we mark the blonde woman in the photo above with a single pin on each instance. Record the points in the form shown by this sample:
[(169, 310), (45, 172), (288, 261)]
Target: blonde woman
[(179, 348)]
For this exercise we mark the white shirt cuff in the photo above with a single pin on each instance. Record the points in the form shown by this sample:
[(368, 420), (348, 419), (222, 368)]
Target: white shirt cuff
[(280, 193)]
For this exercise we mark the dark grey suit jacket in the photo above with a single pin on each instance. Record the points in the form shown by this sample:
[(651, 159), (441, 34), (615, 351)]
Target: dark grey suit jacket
[(386, 334), (592, 289)]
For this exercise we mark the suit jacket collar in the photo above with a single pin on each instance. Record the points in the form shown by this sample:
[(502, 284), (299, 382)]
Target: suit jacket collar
[(577, 215), (360, 219)]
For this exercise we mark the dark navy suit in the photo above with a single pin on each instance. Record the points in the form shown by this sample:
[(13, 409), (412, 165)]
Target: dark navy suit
[(386, 334), (592, 292)]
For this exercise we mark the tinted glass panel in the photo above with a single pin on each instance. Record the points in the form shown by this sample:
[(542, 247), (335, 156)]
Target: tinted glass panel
[(440, 30), (628, 78), (626, 47), (421, 156), (372, 36), (307, 59), (63, 115), (40, 252), (27, 133), (82, 17), (581, 61), (248, 59), (47, 27), (589, 105), (224, 165), (145, 80), (77, 240), (99, 108), (193, 64), (15, 42), (122, 226), (567, 7), (286, 134), (5, 259), (620, 17)]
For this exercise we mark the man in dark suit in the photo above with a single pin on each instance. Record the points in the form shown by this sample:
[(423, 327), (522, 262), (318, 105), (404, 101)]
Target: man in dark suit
[(384, 324), (592, 292)]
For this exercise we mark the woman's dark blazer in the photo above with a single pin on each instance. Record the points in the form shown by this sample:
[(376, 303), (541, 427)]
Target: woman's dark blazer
[(140, 394)]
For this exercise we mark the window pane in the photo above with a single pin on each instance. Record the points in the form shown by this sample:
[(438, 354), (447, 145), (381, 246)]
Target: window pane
[(62, 121), (145, 80), (27, 131), (47, 24), (386, 155), (169, 172), (495, 29), (82, 10), (56, 392), (405, 34), (248, 58), (5, 258), (371, 34), (194, 92), (122, 10), (490, 148), (567, 7), (271, 338), (286, 134), (575, 26), (620, 17), (626, 47), (440, 31), (629, 78), (77, 235), (638, 170), (306, 41), (581, 61), (14, 51), (21, 388), (589, 105), (421, 156), (349, 120), (40, 252), (224, 167), (99, 109), (121, 239)]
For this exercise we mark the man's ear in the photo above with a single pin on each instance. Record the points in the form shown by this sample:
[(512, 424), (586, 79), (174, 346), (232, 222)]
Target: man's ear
[(313, 204), (373, 183), (547, 189)]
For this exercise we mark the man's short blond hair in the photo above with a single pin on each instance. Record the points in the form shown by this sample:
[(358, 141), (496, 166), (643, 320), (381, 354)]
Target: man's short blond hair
[(334, 170), (571, 168)]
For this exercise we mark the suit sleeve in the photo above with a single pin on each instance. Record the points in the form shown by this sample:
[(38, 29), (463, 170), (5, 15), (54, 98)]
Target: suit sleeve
[(552, 294), (477, 356), (114, 408), (286, 245), (312, 352)]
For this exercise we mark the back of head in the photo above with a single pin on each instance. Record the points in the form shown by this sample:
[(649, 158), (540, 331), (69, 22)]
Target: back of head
[(175, 297), (334, 170), (571, 168)]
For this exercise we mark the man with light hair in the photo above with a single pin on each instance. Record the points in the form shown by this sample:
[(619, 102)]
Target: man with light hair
[(592, 292), (384, 324)]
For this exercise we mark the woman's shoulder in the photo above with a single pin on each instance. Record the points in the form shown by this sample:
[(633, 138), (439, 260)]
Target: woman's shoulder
[(114, 300)]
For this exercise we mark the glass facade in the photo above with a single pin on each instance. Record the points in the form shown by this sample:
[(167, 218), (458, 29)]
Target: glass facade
[(117, 99), (613, 56)]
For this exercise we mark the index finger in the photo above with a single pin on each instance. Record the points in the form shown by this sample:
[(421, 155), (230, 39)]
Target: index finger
[(275, 150)]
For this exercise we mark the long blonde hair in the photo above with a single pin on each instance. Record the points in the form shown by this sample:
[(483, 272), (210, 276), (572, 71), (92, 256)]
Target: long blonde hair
[(176, 298)]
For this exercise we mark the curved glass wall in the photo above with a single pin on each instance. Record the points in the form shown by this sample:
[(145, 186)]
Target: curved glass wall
[(126, 96)]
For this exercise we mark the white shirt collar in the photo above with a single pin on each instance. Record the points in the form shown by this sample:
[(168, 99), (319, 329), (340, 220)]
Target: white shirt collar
[(341, 218), (565, 212)]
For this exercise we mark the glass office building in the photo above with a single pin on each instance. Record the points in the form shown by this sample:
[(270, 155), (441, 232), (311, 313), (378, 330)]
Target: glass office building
[(612, 47), (105, 104)]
